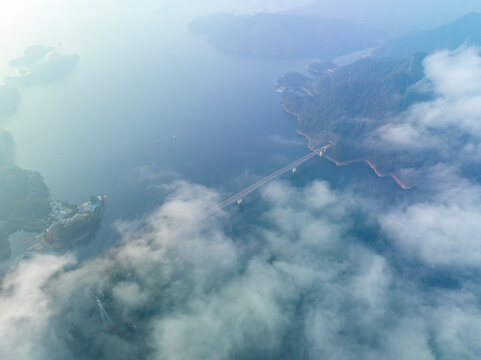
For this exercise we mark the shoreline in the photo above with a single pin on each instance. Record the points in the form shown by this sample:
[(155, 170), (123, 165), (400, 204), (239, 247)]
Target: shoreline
[(307, 91), (371, 165), (345, 163), (299, 120), (74, 242)]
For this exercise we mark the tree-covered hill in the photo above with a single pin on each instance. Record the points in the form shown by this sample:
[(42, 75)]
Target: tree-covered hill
[(368, 88), (466, 30), (284, 36)]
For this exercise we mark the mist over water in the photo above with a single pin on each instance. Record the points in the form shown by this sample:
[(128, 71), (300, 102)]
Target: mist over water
[(149, 102)]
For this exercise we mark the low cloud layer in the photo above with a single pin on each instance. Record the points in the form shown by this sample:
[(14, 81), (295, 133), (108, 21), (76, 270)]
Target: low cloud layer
[(443, 139), (443, 230), (454, 77), (295, 283), (445, 130)]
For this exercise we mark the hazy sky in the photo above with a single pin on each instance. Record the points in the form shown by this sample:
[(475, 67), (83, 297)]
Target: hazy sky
[(395, 16), (51, 22), (35, 18)]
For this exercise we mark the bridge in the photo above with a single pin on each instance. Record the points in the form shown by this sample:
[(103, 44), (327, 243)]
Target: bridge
[(253, 187)]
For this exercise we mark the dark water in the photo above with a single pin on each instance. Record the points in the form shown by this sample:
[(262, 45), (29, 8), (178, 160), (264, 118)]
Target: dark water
[(161, 104), (152, 104)]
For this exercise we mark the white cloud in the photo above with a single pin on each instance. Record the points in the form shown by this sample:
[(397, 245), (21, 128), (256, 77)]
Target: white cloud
[(26, 311), (445, 130), (455, 74), (444, 228), (455, 77), (401, 136), (439, 234), (179, 286)]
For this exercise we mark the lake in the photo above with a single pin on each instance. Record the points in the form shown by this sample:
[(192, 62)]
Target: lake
[(150, 103)]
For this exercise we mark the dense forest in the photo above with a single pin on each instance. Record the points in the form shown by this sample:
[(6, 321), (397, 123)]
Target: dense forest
[(284, 36), (24, 197)]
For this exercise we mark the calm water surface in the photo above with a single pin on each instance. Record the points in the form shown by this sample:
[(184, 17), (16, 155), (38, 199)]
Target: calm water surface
[(152, 104)]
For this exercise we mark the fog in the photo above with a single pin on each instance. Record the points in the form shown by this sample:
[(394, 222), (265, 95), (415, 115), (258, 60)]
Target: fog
[(297, 284), (396, 17)]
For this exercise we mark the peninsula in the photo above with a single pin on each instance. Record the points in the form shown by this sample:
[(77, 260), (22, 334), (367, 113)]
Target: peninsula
[(284, 36), (26, 205), (71, 225), (351, 108)]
